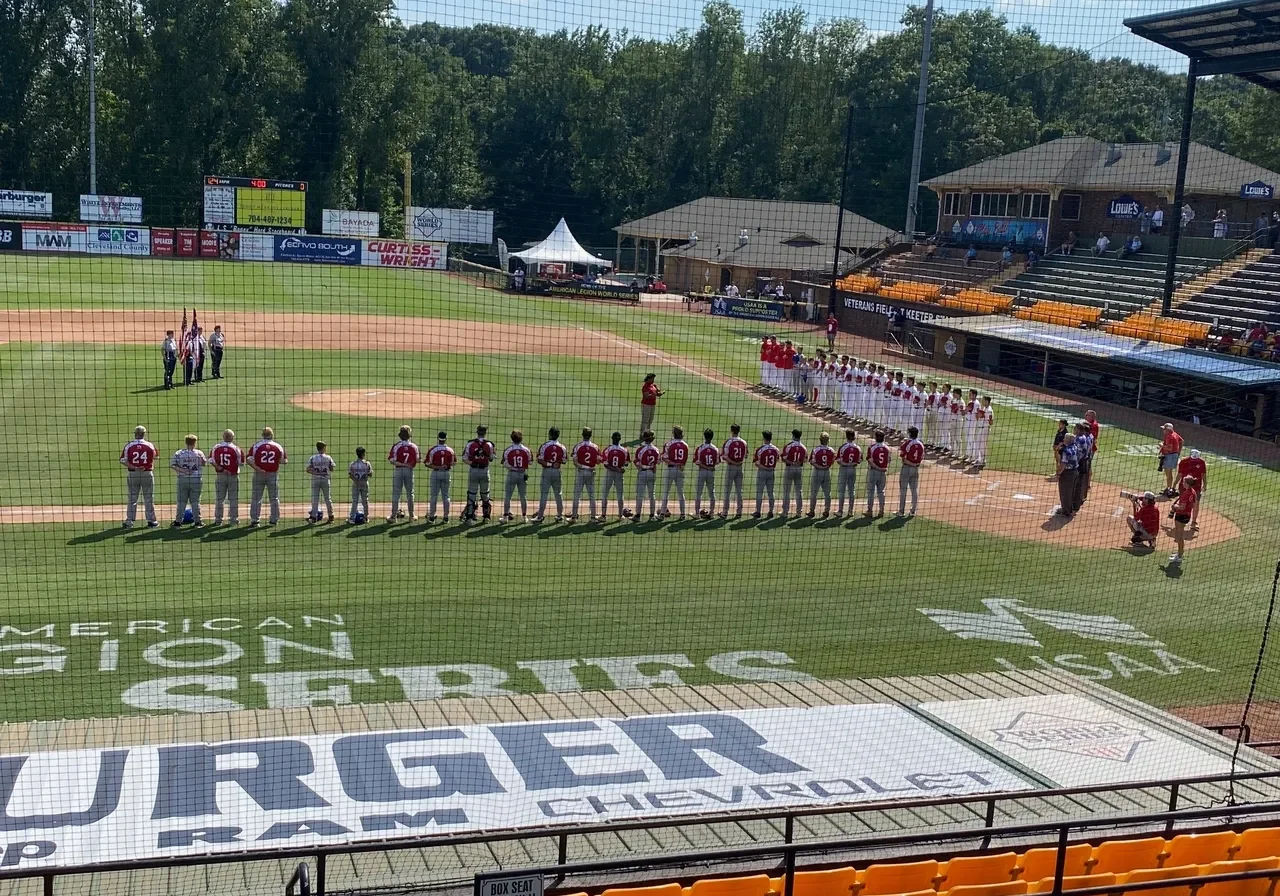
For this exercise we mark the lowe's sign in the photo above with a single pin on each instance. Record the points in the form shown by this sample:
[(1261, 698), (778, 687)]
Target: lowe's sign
[(1125, 208), (1257, 190)]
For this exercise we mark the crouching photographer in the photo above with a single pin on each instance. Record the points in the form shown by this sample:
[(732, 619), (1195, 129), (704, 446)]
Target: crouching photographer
[(1145, 522)]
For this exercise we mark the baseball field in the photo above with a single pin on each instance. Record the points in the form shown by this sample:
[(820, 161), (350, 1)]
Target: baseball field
[(103, 621)]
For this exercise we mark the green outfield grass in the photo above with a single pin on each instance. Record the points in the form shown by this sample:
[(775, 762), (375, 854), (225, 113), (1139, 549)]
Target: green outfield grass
[(838, 599)]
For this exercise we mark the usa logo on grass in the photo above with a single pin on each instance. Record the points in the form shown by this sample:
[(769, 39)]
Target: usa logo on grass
[(1099, 740)]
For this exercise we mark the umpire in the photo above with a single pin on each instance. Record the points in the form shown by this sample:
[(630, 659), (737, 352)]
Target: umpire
[(1069, 476)]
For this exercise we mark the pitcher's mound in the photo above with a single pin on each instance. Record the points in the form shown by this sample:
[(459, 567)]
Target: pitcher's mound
[(393, 404)]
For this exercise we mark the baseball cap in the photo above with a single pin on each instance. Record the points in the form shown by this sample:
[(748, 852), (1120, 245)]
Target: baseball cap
[(1195, 452), (1150, 496)]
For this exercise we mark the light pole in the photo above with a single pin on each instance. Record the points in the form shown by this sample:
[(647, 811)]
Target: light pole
[(93, 111), (917, 148)]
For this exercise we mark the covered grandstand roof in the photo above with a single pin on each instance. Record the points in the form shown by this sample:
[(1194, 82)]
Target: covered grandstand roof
[(780, 234), (1087, 164), (1241, 37)]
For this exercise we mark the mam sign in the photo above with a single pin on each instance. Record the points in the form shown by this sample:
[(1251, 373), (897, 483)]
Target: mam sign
[(85, 807)]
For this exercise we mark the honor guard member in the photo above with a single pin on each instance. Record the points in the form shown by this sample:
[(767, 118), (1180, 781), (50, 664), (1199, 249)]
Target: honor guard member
[(139, 457), (477, 455), (551, 457), (202, 349), (188, 462), (794, 455), (706, 458), (822, 459), (516, 460), (227, 459), (217, 343), (586, 457), (614, 459), (169, 351), (440, 459), (359, 471), (321, 466), (647, 458), (734, 454), (675, 454), (403, 456)]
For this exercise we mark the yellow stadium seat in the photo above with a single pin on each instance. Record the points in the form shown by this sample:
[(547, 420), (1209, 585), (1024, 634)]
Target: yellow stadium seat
[(1199, 849), (1126, 855), (989, 869), (671, 889), (1261, 886), (1008, 888), (755, 885), (1035, 864), (1076, 882), (1257, 843), (836, 882), (1146, 875), (900, 877)]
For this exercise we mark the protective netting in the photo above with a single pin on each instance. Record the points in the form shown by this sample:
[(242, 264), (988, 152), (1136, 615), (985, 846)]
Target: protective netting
[(356, 355)]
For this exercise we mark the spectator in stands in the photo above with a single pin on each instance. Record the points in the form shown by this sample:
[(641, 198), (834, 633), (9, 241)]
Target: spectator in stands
[(1102, 245), (1157, 220), (1226, 342), (1188, 215), (1069, 244), (1261, 230), (970, 255), (1032, 258), (1133, 247), (1275, 230), (1257, 338), (731, 290), (1006, 257), (1220, 224)]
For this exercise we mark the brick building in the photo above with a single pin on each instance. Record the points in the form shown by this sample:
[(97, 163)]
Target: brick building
[(1039, 194)]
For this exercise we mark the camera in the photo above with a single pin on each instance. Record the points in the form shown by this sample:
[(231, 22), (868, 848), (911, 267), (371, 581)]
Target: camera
[(1130, 495)]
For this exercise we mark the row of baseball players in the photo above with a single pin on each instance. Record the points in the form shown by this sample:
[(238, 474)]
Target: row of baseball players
[(266, 457), (865, 392)]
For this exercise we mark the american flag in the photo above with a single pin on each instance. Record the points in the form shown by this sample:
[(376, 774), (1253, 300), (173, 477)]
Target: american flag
[(189, 344)]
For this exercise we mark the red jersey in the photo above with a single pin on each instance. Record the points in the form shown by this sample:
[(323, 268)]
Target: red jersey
[(517, 457), (552, 454), (897, 389), (734, 450), (786, 360), (138, 455), (404, 454), (764, 351), (267, 455), (707, 456), (1195, 468), (912, 452), (794, 453), (1094, 429), (647, 457), (878, 456), (441, 457), (479, 453), (649, 393), (832, 325), (1172, 443), (586, 454), (615, 457), (1149, 516), (766, 456), (227, 457), (1186, 500), (676, 453), (849, 455), (823, 457)]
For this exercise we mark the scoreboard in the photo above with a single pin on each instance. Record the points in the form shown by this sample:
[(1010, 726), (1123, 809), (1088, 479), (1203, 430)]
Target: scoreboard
[(255, 202)]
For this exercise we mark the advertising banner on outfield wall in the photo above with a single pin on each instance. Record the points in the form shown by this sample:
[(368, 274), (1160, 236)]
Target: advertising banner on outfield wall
[(451, 225), (747, 309), (340, 222), (80, 807), (323, 249), (10, 236), (121, 209), (162, 240), (26, 204), (54, 237), (398, 254), (187, 244), (119, 241)]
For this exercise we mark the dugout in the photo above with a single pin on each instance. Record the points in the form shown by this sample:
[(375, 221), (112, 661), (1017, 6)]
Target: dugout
[(1240, 395)]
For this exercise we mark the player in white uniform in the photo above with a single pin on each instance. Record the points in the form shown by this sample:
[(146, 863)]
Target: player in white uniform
[(958, 442), (321, 466), (359, 471), (986, 418), (188, 463), (970, 425)]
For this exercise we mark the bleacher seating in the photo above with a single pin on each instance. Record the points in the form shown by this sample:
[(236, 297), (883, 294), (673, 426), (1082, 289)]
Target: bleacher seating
[(1062, 313), (912, 292), (1116, 287), (859, 283), (943, 272), (1154, 328), (1112, 862), (978, 300), (1235, 303)]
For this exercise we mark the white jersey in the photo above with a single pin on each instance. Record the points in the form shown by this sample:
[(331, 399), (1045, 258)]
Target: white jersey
[(360, 470), (188, 461), (987, 415), (320, 466)]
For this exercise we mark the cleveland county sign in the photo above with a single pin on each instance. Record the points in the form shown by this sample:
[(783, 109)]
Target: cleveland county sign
[(1125, 208), (1257, 190)]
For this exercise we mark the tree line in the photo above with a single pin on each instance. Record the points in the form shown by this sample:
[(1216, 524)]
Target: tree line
[(591, 124)]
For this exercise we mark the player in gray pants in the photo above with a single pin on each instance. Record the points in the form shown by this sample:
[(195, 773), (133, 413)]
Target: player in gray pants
[(142, 486), (478, 454), (401, 483), (792, 480), (908, 479), (820, 481), (706, 478), (847, 478)]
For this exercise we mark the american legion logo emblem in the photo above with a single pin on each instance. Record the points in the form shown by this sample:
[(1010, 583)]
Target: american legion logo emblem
[(1100, 740)]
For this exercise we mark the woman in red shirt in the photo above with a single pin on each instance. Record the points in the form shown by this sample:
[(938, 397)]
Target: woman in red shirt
[(1183, 506)]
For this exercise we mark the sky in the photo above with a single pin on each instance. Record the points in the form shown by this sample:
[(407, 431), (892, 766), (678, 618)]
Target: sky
[(1093, 25)]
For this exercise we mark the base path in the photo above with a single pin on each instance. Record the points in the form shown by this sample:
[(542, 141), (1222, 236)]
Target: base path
[(1012, 505)]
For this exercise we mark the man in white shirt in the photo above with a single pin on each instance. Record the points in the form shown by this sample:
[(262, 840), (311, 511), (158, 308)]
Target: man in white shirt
[(187, 463), (169, 349), (1157, 220), (1102, 245)]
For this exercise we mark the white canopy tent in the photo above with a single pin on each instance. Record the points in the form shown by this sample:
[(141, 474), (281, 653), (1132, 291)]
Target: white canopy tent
[(561, 247)]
